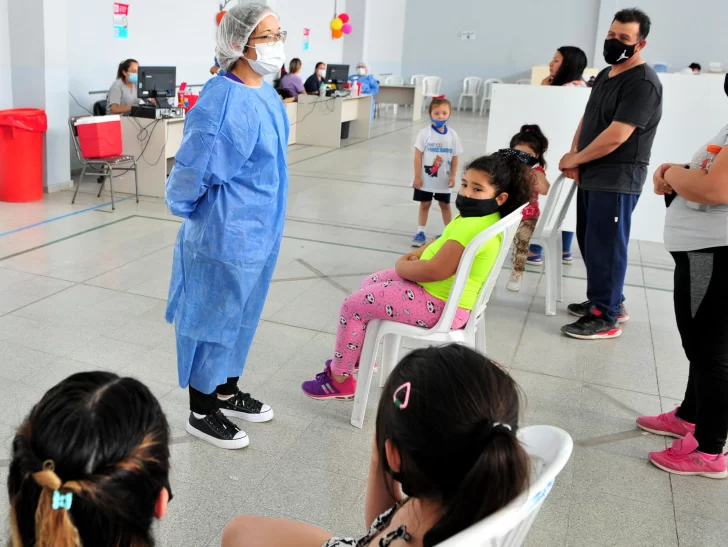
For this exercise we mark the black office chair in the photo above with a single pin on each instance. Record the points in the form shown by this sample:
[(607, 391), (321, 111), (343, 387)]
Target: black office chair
[(100, 108)]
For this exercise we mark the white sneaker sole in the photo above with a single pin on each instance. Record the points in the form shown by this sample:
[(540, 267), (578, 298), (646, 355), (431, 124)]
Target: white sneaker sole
[(513, 288), (716, 475), (418, 245), (235, 444), (616, 334), (661, 433), (620, 320), (254, 418)]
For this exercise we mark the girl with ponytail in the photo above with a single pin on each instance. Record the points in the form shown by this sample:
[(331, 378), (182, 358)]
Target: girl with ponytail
[(90, 466), (445, 456), (416, 290)]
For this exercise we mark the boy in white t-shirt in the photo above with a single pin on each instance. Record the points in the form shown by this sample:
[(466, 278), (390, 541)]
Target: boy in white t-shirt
[(436, 165)]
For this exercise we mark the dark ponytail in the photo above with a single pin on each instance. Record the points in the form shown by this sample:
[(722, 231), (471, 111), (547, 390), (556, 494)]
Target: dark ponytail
[(533, 137), (456, 437), (507, 174), (124, 66), (100, 442)]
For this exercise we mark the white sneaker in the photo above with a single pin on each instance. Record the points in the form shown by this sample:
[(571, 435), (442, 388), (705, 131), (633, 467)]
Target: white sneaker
[(514, 282)]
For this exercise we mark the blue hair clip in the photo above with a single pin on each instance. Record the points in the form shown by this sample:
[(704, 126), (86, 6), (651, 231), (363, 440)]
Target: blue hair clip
[(62, 501)]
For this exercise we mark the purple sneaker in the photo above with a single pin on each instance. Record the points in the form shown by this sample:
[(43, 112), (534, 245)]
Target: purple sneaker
[(325, 387)]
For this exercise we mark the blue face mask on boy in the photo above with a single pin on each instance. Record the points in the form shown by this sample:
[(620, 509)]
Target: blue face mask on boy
[(439, 124)]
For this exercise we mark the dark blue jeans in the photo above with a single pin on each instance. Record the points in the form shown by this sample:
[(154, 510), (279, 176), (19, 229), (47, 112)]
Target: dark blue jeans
[(603, 222)]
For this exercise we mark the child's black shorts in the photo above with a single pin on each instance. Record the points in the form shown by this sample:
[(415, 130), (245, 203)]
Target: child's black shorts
[(421, 195)]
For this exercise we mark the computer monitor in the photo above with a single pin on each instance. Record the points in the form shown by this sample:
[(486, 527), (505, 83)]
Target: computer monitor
[(157, 82), (337, 73)]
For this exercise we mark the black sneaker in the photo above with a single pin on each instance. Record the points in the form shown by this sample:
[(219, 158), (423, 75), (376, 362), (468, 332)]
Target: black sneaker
[(592, 327), (580, 310), (243, 406), (217, 430)]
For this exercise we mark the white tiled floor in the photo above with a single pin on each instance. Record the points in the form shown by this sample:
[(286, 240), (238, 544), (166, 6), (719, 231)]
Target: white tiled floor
[(87, 291)]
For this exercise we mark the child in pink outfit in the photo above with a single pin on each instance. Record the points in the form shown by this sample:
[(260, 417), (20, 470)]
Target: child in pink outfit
[(415, 292)]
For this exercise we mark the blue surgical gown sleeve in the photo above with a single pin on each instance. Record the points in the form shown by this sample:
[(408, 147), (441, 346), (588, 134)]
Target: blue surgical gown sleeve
[(369, 85), (207, 155)]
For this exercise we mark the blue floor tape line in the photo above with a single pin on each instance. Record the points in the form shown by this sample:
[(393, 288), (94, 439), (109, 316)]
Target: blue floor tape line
[(63, 216)]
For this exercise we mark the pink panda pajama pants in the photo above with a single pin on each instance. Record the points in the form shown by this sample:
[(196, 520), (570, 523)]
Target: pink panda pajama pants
[(384, 295)]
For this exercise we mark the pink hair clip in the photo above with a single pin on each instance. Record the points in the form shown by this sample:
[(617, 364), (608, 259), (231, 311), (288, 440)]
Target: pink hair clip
[(407, 386)]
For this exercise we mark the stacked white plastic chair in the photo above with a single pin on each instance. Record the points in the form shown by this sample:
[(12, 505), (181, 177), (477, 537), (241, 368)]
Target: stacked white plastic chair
[(548, 235), (417, 79), (550, 449), (430, 88), (488, 93), (524, 81), (473, 335), (471, 90)]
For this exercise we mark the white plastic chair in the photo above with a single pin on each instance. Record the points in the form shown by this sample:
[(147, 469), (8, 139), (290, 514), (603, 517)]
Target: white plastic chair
[(548, 234), (394, 80), (550, 449), (471, 90), (488, 92), (431, 88), (473, 335), (524, 81), (417, 79)]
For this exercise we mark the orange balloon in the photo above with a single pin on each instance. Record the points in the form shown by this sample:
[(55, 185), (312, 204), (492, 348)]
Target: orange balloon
[(337, 34), (220, 16)]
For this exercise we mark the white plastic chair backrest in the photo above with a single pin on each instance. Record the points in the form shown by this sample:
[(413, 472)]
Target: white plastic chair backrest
[(550, 449), (471, 86), (417, 79), (394, 80), (557, 204), (488, 87), (431, 85), (524, 81), (505, 226)]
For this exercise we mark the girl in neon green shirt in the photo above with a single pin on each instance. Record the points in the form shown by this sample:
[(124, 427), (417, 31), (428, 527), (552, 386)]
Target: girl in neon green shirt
[(415, 292)]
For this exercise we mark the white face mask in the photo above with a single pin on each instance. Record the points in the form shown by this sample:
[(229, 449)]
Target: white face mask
[(321, 73), (361, 71), (271, 57)]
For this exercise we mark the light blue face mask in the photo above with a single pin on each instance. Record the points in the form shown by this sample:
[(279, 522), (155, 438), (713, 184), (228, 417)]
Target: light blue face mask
[(438, 123), (133, 77)]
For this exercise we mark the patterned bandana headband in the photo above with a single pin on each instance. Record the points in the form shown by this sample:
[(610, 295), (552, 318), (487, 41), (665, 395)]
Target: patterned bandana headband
[(521, 156)]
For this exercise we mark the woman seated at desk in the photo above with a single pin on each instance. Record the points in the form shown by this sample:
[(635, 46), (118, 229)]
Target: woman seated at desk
[(123, 92), (313, 84), (293, 81)]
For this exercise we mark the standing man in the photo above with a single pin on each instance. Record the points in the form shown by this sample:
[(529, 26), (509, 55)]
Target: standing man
[(609, 159)]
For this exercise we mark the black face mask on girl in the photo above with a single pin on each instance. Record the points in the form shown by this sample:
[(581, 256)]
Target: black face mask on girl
[(725, 85), (470, 207)]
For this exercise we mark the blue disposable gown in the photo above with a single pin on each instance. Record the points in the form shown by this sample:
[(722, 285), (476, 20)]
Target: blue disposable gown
[(230, 184), (369, 85)]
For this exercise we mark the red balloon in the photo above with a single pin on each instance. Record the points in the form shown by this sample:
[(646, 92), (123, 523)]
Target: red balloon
[(344, 17)]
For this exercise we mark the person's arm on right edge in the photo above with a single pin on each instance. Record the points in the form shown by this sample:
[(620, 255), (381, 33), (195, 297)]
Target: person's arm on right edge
[(382, 494), (418, 168)]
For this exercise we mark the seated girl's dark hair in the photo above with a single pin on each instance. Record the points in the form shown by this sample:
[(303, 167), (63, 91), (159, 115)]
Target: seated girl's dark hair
[(507, 174), (102, 439), (451, 435), (533, 137)]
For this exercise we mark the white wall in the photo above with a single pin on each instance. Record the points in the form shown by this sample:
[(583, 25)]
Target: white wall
[(6, 89), (511, 37), (384, 41), (686, 126), (682, 32)]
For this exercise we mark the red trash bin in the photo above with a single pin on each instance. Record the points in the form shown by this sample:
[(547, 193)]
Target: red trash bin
[(21, 154)]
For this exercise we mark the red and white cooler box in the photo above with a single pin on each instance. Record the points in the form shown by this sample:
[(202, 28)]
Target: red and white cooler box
[(99, 136)]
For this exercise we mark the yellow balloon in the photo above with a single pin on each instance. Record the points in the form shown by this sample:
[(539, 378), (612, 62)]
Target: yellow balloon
[(336, 24)]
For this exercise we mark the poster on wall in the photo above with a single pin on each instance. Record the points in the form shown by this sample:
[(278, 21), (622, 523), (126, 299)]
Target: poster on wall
[(121, 21), (306, 36)]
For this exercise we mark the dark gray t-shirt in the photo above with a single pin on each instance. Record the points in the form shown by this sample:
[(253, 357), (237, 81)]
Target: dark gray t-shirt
[(633, 97)]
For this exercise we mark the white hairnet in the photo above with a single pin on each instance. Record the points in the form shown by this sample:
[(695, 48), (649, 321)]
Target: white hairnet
[(362, 65), (235, 29)]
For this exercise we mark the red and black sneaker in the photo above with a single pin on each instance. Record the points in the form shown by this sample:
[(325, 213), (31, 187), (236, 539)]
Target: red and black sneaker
[(592, 327), (580, 310)]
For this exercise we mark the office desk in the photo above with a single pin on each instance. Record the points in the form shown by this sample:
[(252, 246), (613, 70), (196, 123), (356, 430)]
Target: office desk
[(403, 94), (319, 119), (159, 140)]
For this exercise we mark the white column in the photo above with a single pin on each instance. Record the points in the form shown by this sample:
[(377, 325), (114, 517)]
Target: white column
[(39, 77), (6, 89), (607, 9)]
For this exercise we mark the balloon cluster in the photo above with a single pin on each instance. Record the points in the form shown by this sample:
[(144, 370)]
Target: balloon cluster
[(340, 26)]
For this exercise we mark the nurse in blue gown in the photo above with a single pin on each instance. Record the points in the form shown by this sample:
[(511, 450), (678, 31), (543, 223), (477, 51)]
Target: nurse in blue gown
[(230, 184), (369, 84)]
